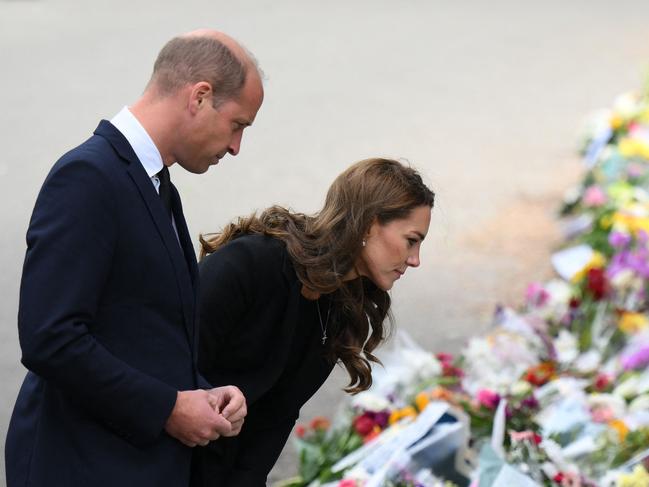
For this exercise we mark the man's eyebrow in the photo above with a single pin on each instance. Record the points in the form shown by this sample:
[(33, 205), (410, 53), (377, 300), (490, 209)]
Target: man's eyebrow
[(421, 235)]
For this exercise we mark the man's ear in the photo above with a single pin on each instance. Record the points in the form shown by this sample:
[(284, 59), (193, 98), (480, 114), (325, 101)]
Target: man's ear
[(199, 95)]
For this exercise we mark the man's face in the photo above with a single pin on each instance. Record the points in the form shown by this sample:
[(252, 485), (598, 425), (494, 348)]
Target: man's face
[(215, 132)]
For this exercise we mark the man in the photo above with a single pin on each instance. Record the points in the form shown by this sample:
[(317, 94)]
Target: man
[(108, 294)]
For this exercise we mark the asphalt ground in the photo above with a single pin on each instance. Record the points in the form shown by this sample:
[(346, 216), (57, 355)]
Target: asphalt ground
[(485, 98)]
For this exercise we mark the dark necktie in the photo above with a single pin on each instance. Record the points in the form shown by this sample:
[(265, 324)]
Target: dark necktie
[(165, 189)]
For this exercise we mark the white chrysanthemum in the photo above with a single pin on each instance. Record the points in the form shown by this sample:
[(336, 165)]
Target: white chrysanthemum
[(566, 347), (369, 401)]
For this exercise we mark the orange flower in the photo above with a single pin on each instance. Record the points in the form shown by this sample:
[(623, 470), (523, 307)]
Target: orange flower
[(442, 394), (541, 373), (320, 423), (399, 414), (421, 400), (621, 428), (376, 431)]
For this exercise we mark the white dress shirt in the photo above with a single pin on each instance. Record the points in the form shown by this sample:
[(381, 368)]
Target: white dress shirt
[(143, 146)]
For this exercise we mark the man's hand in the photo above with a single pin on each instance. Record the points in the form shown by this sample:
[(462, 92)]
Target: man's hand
[(230, 402), (194, 420)]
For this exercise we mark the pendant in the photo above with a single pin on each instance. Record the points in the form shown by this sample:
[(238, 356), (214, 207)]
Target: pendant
[(324, 338)]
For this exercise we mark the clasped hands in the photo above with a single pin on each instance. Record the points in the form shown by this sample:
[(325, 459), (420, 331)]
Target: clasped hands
[(201, 416)]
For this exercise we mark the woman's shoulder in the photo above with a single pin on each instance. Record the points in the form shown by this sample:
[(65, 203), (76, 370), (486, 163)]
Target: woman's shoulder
[(254, 245), (262, 253)]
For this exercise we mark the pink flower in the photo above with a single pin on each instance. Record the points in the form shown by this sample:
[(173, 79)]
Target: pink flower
[(444, 357), (602, 415), (347, 483), (594, 196), (488, 398), (525, 436), (536, 295)]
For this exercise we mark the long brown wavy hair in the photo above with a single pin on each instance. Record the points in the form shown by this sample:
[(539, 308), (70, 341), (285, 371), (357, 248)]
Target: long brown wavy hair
[(325, 247)]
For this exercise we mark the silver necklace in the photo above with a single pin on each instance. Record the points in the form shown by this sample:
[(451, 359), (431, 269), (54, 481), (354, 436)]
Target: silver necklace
[(323, 327)]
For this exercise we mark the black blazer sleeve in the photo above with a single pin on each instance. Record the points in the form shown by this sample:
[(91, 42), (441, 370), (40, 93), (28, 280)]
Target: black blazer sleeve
[(244, 296), (70, 244)]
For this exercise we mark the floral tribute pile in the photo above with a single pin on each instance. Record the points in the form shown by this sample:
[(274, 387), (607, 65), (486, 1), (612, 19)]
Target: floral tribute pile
[(557, 393)]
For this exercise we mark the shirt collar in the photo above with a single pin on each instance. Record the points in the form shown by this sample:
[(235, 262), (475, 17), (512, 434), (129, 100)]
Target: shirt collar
[(142, 144)]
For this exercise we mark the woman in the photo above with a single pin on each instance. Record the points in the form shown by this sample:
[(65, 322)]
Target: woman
[(284, 296)]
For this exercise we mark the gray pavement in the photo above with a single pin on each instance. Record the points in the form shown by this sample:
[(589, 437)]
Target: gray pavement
[(483, 97)]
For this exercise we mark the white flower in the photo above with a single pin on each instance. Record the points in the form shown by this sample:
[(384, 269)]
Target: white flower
[(627, 388), (625, 279), (589, 361), (626, 105), (566, 346), (520, 388), (369, 401), (639, 404)]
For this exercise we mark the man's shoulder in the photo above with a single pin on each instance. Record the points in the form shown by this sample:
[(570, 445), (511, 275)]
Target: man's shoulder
[(96, 151), (96, 155)]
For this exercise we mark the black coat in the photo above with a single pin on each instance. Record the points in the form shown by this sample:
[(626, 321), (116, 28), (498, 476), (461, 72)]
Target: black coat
[(259, 333), (107, 327)]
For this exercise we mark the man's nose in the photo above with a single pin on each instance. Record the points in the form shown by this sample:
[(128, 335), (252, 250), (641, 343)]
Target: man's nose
[(235, 144)]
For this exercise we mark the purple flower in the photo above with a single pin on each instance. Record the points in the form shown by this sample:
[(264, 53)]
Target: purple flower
[(634, 260), (530, 402), (381, 418), (619, 240), (637, 359)]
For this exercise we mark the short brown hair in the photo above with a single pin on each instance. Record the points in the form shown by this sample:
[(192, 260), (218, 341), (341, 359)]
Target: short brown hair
[(191, 59)]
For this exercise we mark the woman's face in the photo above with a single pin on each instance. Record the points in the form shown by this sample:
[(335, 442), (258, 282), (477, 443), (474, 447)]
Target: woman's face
[(391, 248)]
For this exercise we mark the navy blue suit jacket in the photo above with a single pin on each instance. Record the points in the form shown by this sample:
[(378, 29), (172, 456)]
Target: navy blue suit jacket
[(107, 327)]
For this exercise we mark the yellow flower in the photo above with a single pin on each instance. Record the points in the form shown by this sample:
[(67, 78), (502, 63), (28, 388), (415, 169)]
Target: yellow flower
[(399, 414), (633, 322), (638, 478), (605, 222), (421, 400), (621, 428), (631, 223), (616, 121), (633, 148)]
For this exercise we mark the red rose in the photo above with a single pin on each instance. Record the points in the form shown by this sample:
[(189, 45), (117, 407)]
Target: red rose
[(596, 283), (363, 424), (300, 431), (602, 382)]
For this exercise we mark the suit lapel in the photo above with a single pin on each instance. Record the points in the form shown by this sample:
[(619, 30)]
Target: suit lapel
[(189, 256), (183, 236), (162, 222)]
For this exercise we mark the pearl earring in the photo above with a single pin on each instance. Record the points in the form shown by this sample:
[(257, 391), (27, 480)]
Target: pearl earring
[(364, 242)]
